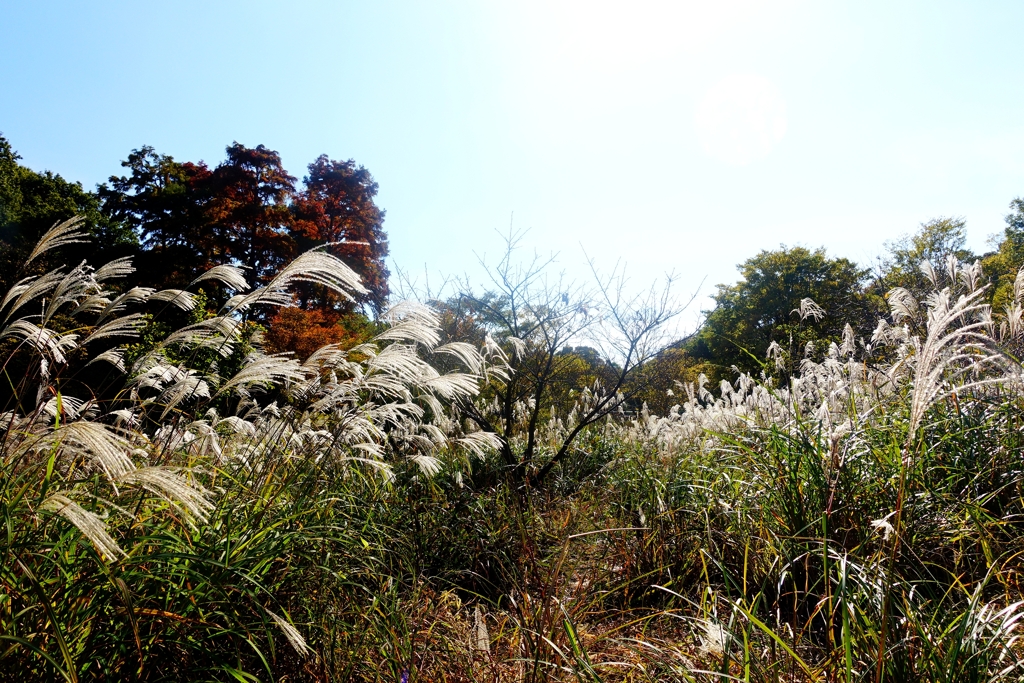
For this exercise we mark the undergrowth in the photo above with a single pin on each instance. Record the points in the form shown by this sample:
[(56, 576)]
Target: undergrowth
[(179, 505)]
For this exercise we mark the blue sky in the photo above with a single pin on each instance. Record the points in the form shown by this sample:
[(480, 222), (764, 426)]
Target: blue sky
[(679, 136)]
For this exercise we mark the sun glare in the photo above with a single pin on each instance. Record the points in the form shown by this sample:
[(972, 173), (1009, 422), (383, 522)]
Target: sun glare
[(740, 119)]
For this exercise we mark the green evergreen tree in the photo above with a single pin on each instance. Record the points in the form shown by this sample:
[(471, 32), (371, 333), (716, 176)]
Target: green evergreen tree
[(769, 305), (32, 202), (1002, 265)]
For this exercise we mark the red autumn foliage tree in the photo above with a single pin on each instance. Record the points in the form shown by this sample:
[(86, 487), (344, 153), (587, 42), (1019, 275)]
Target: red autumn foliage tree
[(250, 211), (247, 211), (303, 331), (337, 208)]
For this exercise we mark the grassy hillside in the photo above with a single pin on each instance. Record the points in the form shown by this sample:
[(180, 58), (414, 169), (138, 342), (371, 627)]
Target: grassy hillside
[(189, 507)]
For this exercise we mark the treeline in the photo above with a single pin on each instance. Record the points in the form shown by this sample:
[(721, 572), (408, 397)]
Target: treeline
[(793, 303), (790, 305), (178, 219)]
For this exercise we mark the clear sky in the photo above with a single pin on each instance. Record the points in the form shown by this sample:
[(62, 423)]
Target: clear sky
[(679, 136)]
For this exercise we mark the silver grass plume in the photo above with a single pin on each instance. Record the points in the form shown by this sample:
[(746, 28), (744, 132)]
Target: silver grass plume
[(956, 346), (809, 309), (231, 276), (316, 267), (776, 355), (118, 268), (107, 308), (903, 304), (90, 524), (217, 333), (167, 483), (76, 285), (186, 301), (411, 321), (29, 289), (94, 441), (126, 326), (263, 370), (43, 340), (1012, 326), (931, 273), (188, 385), (291, 633), (970, 275), (428, 464), (60, 235)]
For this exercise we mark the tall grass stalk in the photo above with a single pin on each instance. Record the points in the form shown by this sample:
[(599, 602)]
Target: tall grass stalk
[(178, 504)]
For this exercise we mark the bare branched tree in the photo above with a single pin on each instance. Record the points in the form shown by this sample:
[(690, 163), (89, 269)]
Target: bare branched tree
[(532, 319)]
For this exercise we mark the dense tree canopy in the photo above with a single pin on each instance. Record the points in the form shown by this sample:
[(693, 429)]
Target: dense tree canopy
[(9, 193), (768, 305), (665, 380), (31, 203), (166, 204), (934, 242), (336, 208), (178, 219), (248, 211), (1002, 265)]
